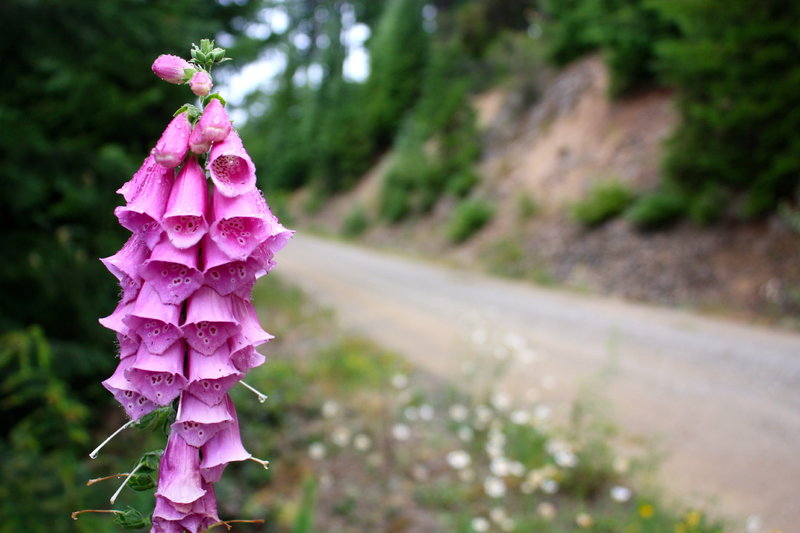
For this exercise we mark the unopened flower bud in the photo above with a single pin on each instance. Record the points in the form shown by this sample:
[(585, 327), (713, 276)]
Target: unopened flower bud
[(200, 83), (170, 68)]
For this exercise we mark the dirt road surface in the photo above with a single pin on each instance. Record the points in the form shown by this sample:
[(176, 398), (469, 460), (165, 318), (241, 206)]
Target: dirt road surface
[(721, 399)]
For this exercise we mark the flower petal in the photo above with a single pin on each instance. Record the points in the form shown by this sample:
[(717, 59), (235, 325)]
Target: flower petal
[(199, 421), (247, 318), (171, 148), (243, 355), (126, 394), (155, 322), (210, 321), (231, 168), (178, 473), (142, 215), (173, 272), (211, 376), (159, 378), (240, 223), (224, 274), (225, 447), (184, 219)]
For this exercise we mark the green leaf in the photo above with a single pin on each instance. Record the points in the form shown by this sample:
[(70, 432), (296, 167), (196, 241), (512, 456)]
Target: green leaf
[(132, 519), (218, 96), (141, 482)]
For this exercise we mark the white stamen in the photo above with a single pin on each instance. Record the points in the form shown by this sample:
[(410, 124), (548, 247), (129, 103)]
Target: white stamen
[(262, 462), (94, 453), (128, 478), (261, 396)]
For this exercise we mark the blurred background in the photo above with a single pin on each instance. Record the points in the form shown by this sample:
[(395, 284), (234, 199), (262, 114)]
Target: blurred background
[(639, 149)]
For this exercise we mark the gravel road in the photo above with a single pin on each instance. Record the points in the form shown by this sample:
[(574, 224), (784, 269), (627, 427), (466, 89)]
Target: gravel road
[(721, 399)]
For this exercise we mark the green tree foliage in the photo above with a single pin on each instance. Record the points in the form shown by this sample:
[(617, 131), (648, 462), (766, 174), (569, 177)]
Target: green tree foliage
[(624, 30), (313, 131), (735, 66), (479, 23), (398, 54), (436, 150)]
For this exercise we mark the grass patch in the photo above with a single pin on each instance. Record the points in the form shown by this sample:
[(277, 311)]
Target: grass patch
[(356, 223)]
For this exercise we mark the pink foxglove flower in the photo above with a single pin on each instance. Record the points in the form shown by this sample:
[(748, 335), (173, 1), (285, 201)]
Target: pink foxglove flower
[(200, 84), (185, 217), (171, 68), (187, 330), (214, 124), (209, 321), (126, 394), (198, 144), (231, 168), (153, 321), (124, 265), (158, 377), (172, 272), (211, 376), (198, 421), (173, 145), (241, 223), (143, 212), (226, 447), (179, 474)]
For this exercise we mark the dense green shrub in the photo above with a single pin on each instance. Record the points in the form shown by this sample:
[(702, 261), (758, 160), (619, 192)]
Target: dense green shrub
[(604, 201), (467, 218), (356, 222), (657, 210)]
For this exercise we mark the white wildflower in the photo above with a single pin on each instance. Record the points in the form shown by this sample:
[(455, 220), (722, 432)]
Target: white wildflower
[(316, 451), (494, 487), (459, 459), (362, 442), (401, 432)]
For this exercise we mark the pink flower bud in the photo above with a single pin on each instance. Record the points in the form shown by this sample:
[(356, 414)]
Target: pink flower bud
[(214, 125), (171, 148), (200, 84), (170, 68)]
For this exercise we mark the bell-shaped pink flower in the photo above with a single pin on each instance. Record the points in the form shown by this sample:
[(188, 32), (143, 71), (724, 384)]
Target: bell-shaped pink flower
[(171, 68), (197, 143), (127, 346), (124, 265), (265, 252), (247, 318), (171, 148), (209, 321), (224, 275), (142, 215), (211, 376), (126, 394), (155, 322), (133, 187), (179, 474), (214, 124), (116, 321), (231, 169), (243, 355), (159, 378), (224, 448), (185, 217), (240, 223), (172, 272), (199, 421), (200, 84), (201, 514)]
